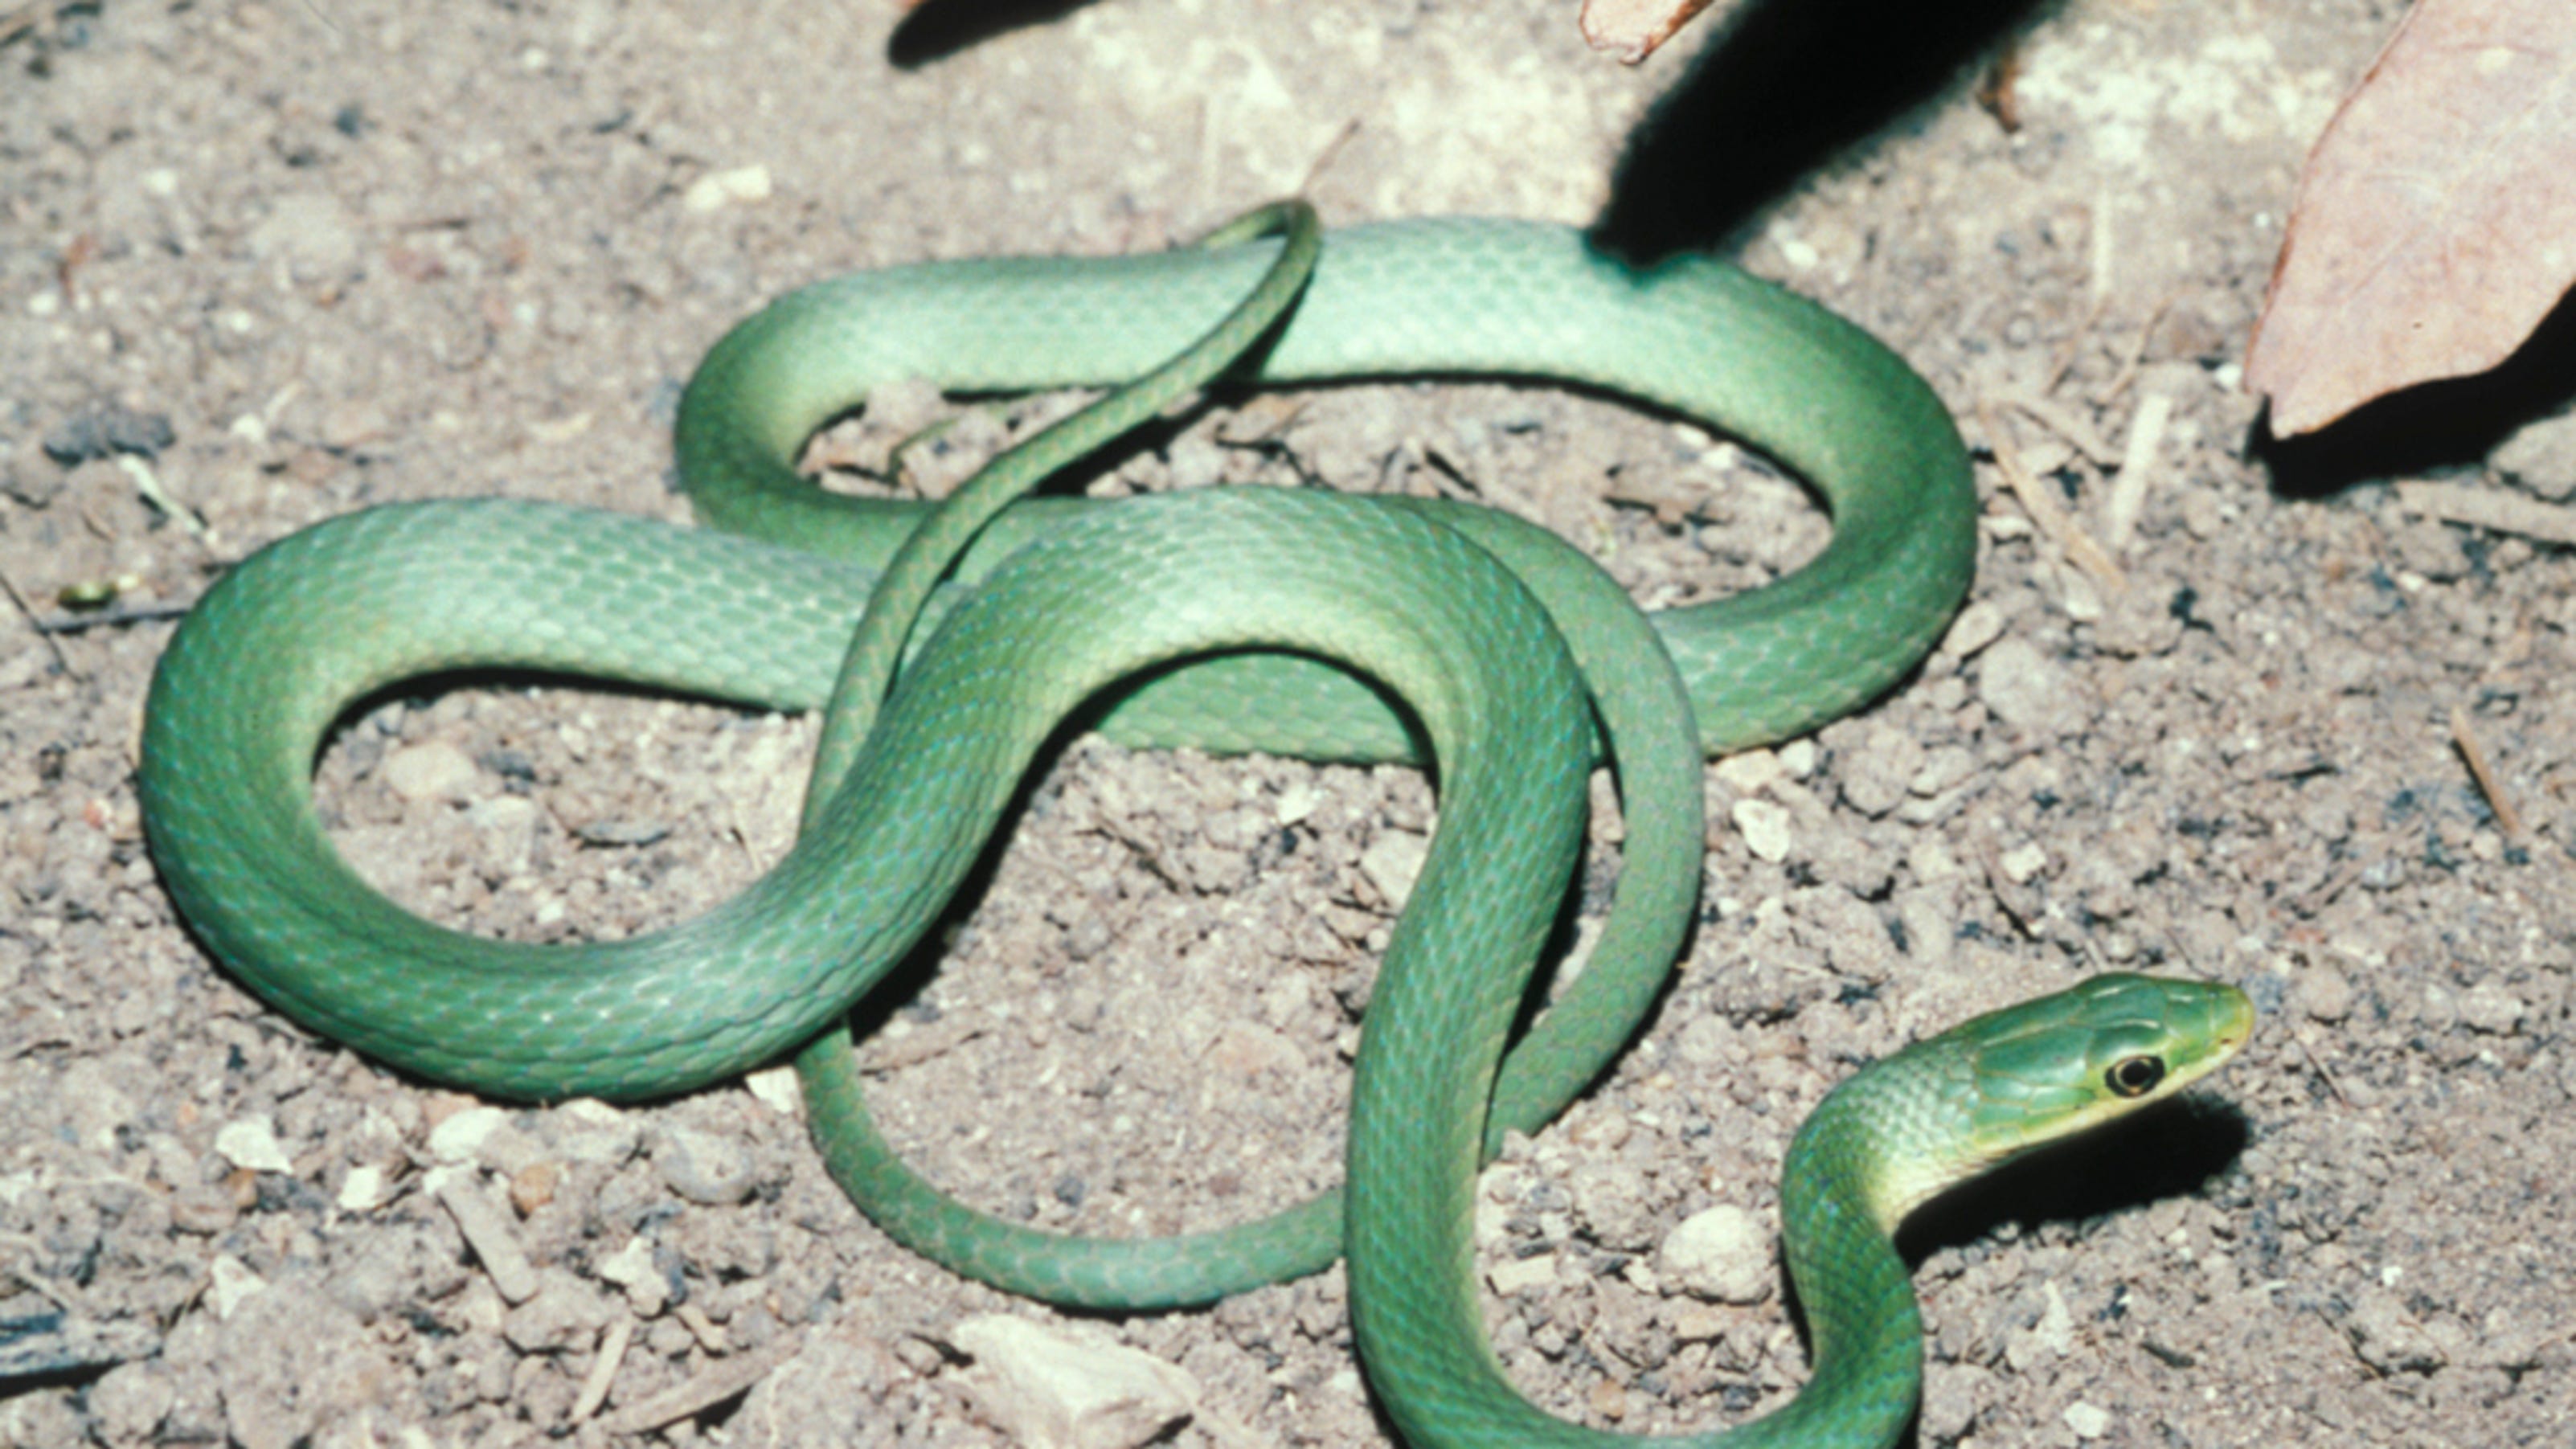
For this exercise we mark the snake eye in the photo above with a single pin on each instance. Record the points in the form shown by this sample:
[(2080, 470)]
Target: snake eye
[(2134, 1076)]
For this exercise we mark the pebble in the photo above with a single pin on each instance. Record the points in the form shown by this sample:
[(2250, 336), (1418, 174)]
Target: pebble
[(1978, 625), (1765, 828), (430, 770), (251, 1143), (587, 1130), (486, 1229), (230, 1284), (466, 1136), (2491, 1009), (1049, 1390), (1521, 1274), (2323, 992), (706, 1169), (1879, 769), (632, 1269), (776, 1089), (2087, 1421), (719, 189), (2023, 687), (2023, 862), (1721, 1253), (364, 1189), (566, 1315), (1392, 862)]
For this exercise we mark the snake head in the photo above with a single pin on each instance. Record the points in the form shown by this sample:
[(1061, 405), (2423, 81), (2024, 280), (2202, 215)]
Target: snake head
[(2050, 1068)]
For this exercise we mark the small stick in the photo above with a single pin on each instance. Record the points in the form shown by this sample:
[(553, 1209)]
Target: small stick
[(2465, 740), (2137, 469), (603, 1369), (2045, 512), (720, 1382), (2488, 509), (487, 1232), (52, 644)]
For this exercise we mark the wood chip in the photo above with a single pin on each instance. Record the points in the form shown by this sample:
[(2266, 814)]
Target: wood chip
[(487, 1232), (2487, 508), (2046, 513), (603, 1369), (722, 1380), (2465, 740)]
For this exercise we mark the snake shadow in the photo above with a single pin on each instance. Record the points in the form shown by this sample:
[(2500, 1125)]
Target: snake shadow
[(2178, 1148), (1783, 89), (938, 29), (2174, 1149)]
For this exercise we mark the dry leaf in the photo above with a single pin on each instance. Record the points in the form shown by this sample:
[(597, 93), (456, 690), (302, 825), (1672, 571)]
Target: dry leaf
[(2436, 223), (1633, 28)]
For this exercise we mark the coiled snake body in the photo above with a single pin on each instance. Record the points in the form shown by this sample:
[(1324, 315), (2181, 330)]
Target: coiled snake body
[(1248, 610)]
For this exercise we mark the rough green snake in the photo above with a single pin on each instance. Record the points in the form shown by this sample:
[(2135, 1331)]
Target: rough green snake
[(1500, 642)]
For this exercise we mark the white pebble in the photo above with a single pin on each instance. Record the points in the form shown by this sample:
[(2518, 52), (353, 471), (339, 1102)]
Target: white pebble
[(251, 1143), (1765, 828), (1049, 1390), (1721, 1254)]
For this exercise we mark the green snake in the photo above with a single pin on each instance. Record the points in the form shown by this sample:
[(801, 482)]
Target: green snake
[(1240, 619)]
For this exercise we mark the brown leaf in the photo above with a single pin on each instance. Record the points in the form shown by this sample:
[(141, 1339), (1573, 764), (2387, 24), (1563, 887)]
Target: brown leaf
[(2436, 223), (1633, 28)]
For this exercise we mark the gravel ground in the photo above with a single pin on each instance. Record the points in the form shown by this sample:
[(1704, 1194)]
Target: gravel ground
[(295, 260)]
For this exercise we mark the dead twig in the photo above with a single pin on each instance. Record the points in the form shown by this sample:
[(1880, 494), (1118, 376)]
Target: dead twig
[(2046, 513), (2465, 740)]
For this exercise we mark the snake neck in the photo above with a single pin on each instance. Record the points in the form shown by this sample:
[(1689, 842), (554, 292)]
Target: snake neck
[(1840, 1199)]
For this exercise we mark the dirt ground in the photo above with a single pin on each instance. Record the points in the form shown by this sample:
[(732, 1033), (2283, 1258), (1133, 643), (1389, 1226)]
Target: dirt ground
[(282, 260)]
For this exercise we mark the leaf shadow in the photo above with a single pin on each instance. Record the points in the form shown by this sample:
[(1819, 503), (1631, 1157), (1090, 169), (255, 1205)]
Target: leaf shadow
[(2434, 427)]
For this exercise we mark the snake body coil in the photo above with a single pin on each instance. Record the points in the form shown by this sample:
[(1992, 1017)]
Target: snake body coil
[(1249, 609)]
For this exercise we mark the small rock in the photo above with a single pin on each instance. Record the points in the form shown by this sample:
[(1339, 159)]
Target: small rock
[(1522, 1274), (532, 1187), (2023, 862), (231, 1284), (251, 1143), (364, 1189), (1765, 828), (1977, 626), (204, 1208), (706, 1169), (1749, 771), (1051, 1391), (2389, 1339), (2324, 993), (107, 430), (632, 1269), (461, 1138), (1611, 1207), (1721, 1254), (2492, 1010), (430, 770), (719, 189), (2023, 687), (130, 1401), (776, 1089), (2087, 1421), (587, 1130), (566, 1315), (2541, 455), (1877, 771), (1392, 862)]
